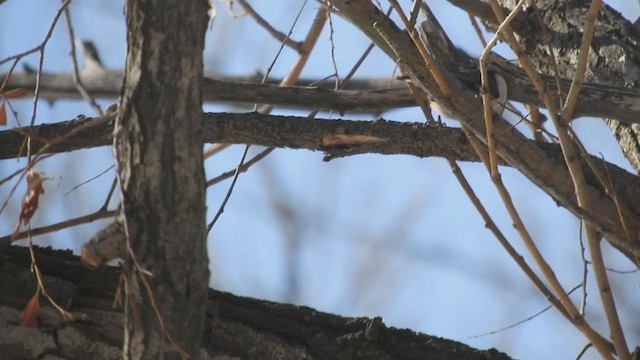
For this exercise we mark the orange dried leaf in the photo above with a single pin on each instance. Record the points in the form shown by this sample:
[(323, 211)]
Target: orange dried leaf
[(30, 200), (3, 115), (28, 316), (16, 93)]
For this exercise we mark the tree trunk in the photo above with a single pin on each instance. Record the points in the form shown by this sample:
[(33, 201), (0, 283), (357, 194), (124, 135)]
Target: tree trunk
[(158, 147), (235, 327)]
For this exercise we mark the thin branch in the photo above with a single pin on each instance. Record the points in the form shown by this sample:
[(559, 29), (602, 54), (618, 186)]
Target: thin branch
[(240, 169), (90, 179), (292, 77), (85, 219), (486, 98), (231, 187), (602, 345), (529, 318), (282, 38), (105, 205), (585, 271)]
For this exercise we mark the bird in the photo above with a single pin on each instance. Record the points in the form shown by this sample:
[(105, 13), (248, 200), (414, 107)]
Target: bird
[(92, 64), (471, 79)]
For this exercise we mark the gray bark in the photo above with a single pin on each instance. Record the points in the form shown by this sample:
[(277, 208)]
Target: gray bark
[(158, 148)]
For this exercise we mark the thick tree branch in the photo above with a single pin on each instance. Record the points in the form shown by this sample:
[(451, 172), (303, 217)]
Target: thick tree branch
[(332, 136), (268, 130), (234, 326), (360, 95)]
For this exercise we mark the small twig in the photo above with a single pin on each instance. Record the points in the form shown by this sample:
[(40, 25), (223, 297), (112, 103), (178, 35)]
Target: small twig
[(243, 168), (620, 272), (364, 55), (585, 271), (228, 195), (565, 305), (486, 98), (584, 351), (89, 180), (413, 15), (606, 183), (476, 28), (292, 77), (519, 322), (296, 45), (85, 219), (105, 205), (40, 46), (513, 253), (332, 54)]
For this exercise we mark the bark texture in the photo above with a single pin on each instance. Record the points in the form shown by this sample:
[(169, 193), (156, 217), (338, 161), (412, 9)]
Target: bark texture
[(158, 147), (235, 327), (555, 27)]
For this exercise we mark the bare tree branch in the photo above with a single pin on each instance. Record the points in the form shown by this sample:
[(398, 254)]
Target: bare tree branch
[(359, 95), (390, 138), (550, 175)]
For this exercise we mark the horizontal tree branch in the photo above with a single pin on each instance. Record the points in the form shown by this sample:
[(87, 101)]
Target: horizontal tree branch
[(359, 95), (334, 137), (375, 95), (383, 137)]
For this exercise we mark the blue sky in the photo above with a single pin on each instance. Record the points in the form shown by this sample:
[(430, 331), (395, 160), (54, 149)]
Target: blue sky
[(371, 235)]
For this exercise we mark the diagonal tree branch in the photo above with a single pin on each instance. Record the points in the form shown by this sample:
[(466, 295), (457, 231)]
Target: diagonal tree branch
[(555, 27), (549, 174)]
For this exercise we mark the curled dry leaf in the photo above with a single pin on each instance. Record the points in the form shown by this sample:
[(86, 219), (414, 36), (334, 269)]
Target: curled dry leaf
[(28, 316), (15, 93), (3, 115), (10, 94), (30, 200)]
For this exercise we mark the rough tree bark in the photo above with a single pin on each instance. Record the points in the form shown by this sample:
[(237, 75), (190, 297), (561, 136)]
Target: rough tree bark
[(158, 148), (235, 327)]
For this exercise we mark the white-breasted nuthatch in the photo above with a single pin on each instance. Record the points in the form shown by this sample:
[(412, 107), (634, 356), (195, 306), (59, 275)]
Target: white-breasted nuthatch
[(470, 77), (92, 65)]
